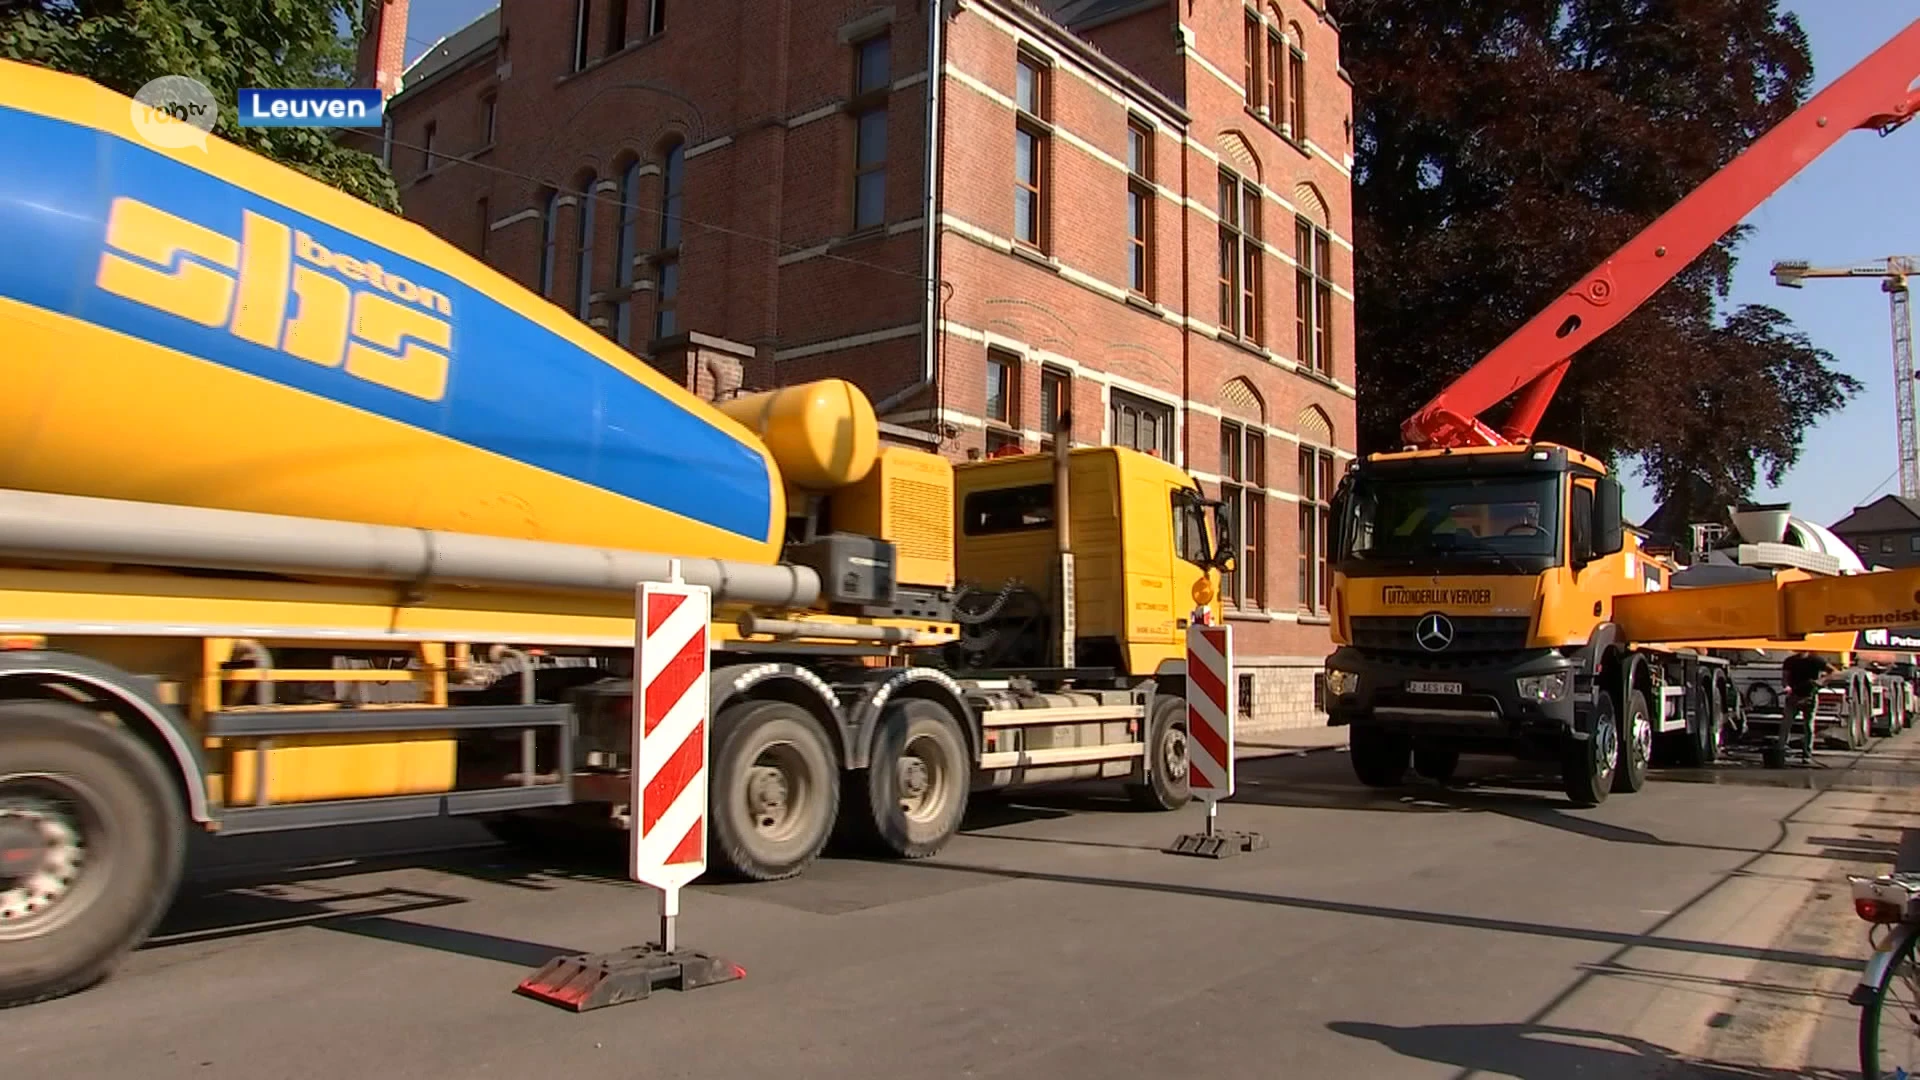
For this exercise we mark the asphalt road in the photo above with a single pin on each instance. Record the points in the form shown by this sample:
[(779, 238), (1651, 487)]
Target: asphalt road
[(1698, 929)]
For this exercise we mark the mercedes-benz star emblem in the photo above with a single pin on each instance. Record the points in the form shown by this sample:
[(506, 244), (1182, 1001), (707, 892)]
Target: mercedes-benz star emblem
[(1434, 632)]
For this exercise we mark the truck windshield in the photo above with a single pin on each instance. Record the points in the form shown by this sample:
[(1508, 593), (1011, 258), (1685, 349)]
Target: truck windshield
[(1444, 520)]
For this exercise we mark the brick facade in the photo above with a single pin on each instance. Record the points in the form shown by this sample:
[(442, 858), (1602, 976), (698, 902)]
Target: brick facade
[(765, 116)]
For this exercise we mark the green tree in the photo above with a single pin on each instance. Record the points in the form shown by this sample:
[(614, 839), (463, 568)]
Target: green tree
[(1504, 148), (226, 44)]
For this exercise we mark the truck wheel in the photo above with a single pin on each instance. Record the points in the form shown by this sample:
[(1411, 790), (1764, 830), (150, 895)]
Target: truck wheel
[(776, 787), (912, 797), (1636, 745), (1379, 757), (1703, 742), (1587, 766), (1849, 732), (1436, 763), (92, 840), (1166, 787)]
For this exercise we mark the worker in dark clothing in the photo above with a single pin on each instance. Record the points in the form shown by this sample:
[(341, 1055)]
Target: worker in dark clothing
[(1801, 674)]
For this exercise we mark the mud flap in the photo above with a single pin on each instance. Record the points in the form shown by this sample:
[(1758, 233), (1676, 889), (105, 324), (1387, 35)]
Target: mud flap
[(596, 980)]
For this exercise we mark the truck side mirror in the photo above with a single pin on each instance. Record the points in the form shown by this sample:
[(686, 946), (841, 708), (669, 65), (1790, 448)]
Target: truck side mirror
[(1224, 542), (1340, 512), (1609, 531)]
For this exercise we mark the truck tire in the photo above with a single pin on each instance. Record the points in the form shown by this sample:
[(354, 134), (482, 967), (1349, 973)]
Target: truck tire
[(776, 790), (110, 835), (1636, 745), (1436, 763), (1166, 787), (1587, 765), (912, 797), (1847, 734), (1380, 758), (1704, 740), (1709, 738)]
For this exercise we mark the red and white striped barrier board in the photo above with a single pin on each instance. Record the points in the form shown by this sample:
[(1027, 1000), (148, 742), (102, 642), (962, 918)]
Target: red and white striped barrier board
[(670, 701), (1210, 712)]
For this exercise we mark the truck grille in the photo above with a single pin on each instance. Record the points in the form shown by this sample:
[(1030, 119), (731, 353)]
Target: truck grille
[(1471, 633)]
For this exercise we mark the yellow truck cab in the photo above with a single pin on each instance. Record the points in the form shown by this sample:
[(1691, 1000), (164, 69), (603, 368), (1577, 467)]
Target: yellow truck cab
[(1473, 591), (1142, 539)]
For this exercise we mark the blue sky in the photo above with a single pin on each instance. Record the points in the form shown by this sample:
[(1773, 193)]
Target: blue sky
[(1843, 208)]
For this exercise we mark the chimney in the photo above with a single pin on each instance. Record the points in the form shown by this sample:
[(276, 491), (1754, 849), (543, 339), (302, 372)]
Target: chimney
[(383, 47)]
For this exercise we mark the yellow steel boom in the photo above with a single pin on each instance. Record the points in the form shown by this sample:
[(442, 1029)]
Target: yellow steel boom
[(1791, 606)]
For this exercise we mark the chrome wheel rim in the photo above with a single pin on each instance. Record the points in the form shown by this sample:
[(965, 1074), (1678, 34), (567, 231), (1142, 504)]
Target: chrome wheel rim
[(1605, 746), (924, 781), (51, 872)]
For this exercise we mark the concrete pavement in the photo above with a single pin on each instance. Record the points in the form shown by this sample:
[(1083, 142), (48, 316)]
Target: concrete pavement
[(1483, 931)]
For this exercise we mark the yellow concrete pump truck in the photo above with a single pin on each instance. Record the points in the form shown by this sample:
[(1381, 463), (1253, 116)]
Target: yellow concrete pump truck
[(308, 518), (1484, 583)]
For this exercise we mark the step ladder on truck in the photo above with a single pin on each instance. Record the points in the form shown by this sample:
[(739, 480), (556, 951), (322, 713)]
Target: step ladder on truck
[(267, 567), (1487, 595)]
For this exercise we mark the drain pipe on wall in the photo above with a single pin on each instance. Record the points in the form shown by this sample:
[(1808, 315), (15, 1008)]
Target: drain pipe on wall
[(1181, 35), (930, 216)]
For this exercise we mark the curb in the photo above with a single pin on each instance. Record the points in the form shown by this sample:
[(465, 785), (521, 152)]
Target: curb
[(1278, 750)]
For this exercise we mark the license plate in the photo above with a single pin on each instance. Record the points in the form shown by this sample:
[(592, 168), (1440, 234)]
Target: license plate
[(1433, 688)]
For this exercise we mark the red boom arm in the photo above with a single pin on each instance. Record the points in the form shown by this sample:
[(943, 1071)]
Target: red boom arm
[(1877, 93)]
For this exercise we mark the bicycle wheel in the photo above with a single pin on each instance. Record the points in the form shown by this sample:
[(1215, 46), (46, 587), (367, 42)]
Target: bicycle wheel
[(1890, 1050)]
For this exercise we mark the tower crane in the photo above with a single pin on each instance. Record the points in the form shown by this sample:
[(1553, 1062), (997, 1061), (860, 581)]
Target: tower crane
[(1893, 273)]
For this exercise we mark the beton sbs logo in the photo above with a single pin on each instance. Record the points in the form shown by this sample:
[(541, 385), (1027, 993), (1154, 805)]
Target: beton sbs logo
[(174, 112)]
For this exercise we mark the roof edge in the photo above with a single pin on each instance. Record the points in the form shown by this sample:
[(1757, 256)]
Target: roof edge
[(1043, 23), (485, 39)]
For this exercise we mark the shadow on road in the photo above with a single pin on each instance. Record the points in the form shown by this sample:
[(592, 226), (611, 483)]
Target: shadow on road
[(371, 913), (1487, 786), (1432, 918), (1550, 1052)]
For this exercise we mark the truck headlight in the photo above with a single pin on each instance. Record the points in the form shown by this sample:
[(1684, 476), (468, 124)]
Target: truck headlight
[(1542, 689), (1341, 683), (1760, 696)]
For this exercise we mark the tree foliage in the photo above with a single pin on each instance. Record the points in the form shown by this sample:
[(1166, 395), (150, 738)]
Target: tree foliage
[(1506, 147), (226, 44)]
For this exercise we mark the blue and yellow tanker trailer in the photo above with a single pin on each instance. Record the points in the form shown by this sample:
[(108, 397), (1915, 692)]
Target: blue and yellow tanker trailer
[(308, 518)]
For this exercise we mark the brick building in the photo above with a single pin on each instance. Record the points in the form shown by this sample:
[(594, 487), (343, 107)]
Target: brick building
[(1143, 211)]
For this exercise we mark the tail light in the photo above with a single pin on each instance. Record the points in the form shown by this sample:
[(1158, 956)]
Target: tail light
[(1876, 911), (1886, 899)]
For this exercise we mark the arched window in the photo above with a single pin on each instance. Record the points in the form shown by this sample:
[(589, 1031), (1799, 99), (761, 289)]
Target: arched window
[(1317, 480), (666, 319), (583, 277), (1243, 491), (1312, 281), (626, 246), (550, 223)]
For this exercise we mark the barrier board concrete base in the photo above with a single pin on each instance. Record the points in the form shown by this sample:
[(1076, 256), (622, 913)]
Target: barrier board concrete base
[(596, 980), (1216, 845)]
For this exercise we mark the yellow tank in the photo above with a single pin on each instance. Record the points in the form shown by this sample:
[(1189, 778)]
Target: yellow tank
[(823, 435), (209, 328)]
